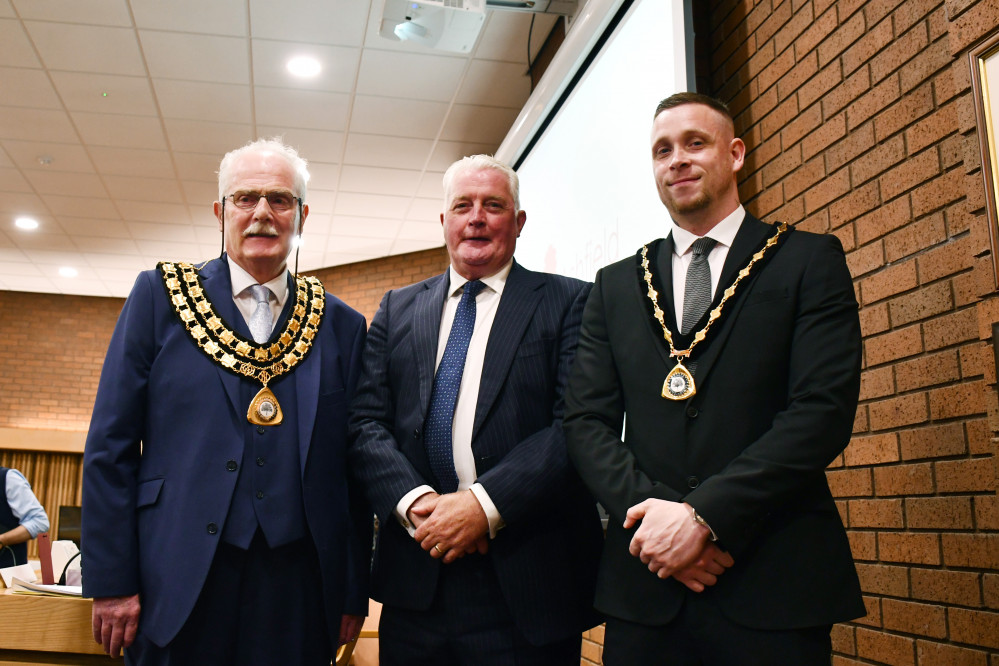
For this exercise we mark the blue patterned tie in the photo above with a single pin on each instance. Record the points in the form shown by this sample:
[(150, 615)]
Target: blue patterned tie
[(440, 418), (261, 321)]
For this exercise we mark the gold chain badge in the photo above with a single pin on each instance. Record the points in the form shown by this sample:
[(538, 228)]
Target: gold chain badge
[(679, 383), (260, 362)]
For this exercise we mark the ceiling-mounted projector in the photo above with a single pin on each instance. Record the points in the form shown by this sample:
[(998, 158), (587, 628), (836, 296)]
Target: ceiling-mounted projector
[(453, 25)]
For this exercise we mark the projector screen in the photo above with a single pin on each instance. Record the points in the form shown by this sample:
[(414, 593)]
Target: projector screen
[(586, 164)]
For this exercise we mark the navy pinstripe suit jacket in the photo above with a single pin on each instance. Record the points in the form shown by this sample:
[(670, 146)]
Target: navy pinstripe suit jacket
[(546, 555)]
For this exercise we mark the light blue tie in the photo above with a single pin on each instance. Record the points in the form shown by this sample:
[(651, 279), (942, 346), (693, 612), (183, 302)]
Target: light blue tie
[(261, 321), (438, 426)]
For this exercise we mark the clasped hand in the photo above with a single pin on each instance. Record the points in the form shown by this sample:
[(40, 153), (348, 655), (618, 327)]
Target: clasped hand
[(450, 526), (670, 543)]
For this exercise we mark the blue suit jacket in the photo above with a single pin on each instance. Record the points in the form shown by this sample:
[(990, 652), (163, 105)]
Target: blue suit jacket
[(167, 420), (546, 555)]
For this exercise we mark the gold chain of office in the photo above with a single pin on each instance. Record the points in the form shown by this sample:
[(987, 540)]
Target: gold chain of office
[(262, 362), (679, 383)]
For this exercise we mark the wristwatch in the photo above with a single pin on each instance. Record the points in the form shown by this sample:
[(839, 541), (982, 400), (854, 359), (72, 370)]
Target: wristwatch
[(700, 521)]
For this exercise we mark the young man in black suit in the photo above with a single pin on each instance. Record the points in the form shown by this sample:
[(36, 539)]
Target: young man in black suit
[(733, 348)]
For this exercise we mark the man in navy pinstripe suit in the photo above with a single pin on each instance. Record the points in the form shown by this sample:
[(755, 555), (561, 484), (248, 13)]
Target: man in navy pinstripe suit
[(501, 569)]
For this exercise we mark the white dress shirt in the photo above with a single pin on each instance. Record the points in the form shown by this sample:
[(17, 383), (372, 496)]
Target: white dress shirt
[(243, 297), (486, 304), (723, 233)]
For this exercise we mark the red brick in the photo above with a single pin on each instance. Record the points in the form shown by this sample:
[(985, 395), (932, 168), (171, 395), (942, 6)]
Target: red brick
[(845, 483), (931, 129), (863, 545), (883, 220), (864, 44), (913, 618), (940, 654), (950, 329), (903, 480), (802, 71), (948, 513), (932, 59), (806, 121), (826, 190), (884, 579), (915, 238), (842, 638), (778, 17), (990, 590), (966, 476), (869, 163), (948, 587), (910, 547), (927, 370), (816, 32), (922, 304), (974, 627), (892, 346), (976, 551), (938, 191), (875, 10), (874, 319), (852, 88), (880, 513), (877, 383), (959, 400), (871, 450), (889, 282), (904, 113), (858, 202), (804, 177), (914, 171), (776, 168), (872, 617), (774, 70), (827, 79), (825, 134), (885, 648), (877, 98), (899, 51), (987, 512)]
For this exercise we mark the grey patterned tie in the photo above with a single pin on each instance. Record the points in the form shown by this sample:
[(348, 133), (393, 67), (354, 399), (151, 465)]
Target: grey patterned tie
[(261, 321), (697, 287)]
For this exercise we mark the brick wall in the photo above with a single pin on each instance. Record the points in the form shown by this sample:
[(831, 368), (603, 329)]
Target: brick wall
[(859, 121)]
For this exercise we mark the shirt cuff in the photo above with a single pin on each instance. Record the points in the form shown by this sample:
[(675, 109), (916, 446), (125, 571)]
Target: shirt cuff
[(402, 508), (492, 513)]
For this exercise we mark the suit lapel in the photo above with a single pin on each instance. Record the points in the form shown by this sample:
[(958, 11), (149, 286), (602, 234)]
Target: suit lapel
[(308, 374), (428, 308), (661, 266), (521, 295), (217, 284)]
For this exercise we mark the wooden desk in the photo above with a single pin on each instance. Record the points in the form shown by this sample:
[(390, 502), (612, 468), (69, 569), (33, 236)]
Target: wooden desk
[(47, 630)]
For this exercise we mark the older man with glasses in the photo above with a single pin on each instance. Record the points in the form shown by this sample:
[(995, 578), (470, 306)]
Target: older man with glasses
[(218, 525)]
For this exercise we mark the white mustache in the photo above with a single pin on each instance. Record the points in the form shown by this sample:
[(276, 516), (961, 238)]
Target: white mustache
[(259, 228)]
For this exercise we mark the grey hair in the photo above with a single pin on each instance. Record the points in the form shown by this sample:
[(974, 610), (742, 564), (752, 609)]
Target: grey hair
[(476, 163), (274, 145)]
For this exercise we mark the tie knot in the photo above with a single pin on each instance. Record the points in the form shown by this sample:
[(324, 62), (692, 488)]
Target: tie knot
[(703, 245), (472, 288), (260, 293)]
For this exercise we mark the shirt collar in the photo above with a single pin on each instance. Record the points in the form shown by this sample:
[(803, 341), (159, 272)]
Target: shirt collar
[(723, 233), (496, 281), (241, 280)]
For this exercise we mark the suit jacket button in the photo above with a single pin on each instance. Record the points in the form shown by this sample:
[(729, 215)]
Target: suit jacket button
[(260, 462), (693, 482), (260, 494), (231, 466), (213, 528), (692, 412), (260, 429), (416, 433)]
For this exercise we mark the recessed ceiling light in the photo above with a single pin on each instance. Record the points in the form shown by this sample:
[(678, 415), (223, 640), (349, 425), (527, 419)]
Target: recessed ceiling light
[(68, 272), (26, 223), (305, 67)]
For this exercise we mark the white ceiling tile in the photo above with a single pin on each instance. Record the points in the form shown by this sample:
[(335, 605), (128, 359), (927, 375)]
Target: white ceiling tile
[(200, 194), (132, 162), (412, 119), (28, 87), (87, 48), (505, 36), (93, 12), (19, 268), (320, 201), (105, 93), (15, 48), (211, 58), (86, 227), (405, 76), (360, 205), (323, 176), (431, 232), (406, 245), (50, 249), (309, 109), (371, 180), (342, 258), (102, 129), (196, 100), (218, 17), (339, 65), (117, 275), (210, 236), (385, 151), (22, 203), (345, 225), (426, 210), (81, 287), (77, 206), (150, 190), (174, 233), (167, 251), (124, 247), (66, 183), (61, 156), (6, 11), (5, 161), (316, 21), (41, 285), (481, 124), (199, 167), (11, 180), (313, 145), (356, 245), (431, 185), (36, 125), (148, 211), (447, 153), (495, 84), (14, 255), (121, 262), (196, 136), (119, 289)]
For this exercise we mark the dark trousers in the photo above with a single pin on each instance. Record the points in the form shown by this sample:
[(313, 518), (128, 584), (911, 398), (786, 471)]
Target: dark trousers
[(259, 607), (468, 624), (700, 635)]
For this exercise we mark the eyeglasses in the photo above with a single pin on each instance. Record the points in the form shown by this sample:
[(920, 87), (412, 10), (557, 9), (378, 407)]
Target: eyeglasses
[(278, 201)]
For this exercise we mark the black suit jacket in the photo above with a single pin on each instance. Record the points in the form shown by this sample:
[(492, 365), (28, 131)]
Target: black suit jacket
[(777, 383), (545, 557)]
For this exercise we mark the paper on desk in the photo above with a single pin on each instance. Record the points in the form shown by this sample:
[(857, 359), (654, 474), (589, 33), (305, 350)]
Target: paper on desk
[(24, 587), (22, 571)]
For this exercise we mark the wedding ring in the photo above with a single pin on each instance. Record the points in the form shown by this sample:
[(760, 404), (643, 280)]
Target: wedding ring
[(437, 547)]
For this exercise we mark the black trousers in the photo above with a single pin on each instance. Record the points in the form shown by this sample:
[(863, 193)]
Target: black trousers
[(701, 635), (469, 624), (259, 607)]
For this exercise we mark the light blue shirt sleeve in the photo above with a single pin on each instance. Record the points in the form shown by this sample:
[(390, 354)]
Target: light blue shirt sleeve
[(24, 505)]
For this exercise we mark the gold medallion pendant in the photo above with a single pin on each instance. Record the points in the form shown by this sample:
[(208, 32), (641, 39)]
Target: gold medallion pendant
[(264, 409), (243, 357), (679, 384)]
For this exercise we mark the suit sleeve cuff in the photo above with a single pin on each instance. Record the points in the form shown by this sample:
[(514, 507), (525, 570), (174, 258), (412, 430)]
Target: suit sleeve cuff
[(402, 508), (492, 513)]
